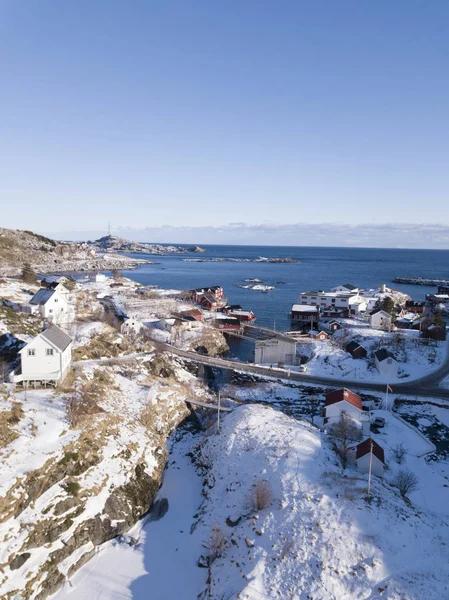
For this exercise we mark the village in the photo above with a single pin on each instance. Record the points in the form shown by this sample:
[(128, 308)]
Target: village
[(56, 331)]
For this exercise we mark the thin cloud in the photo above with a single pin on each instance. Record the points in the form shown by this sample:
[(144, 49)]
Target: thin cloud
[(388, 235)]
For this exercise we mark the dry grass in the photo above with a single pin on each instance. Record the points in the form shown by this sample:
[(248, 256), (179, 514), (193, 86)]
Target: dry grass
[(85, 401), (20, 323), (217, 543), (8, 419), (103, 345), (260, 496)]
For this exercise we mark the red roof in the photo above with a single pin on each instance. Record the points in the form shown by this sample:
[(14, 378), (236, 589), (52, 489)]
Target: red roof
[(343, 395), (364, 448)]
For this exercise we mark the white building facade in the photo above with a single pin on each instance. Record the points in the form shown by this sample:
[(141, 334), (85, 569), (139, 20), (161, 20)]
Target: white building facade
[(381, 320), (52, 305), (46, 359)]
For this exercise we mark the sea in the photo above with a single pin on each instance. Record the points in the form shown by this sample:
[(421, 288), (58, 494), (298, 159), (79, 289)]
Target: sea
[(318, 268)]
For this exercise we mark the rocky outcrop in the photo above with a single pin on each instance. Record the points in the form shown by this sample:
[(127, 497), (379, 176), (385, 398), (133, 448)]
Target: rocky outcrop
[(117, 244), (97, 485), (211, 342), (49, 256)]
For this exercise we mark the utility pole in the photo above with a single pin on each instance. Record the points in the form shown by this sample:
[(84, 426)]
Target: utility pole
[(218, 420), (109, 228), (370, 466)]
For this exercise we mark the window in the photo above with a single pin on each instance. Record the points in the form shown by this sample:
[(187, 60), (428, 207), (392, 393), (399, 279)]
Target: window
[(56, 299), (31, 352), (49, 352), (51, 310)]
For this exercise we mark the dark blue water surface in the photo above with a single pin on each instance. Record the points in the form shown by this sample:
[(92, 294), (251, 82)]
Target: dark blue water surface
[(319, 268)]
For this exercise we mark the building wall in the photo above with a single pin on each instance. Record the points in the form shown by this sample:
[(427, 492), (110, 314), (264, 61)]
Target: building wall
[(42, 364), (275, 351), (358, 353), (387, 368), (55, 309), (333, 412), (328, 299), (377, 467), (380, 321)]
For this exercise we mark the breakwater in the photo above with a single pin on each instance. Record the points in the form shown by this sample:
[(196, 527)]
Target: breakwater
[(421, 281)]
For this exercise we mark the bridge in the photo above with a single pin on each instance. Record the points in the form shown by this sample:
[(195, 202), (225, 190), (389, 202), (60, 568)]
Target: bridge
[(428, 386)]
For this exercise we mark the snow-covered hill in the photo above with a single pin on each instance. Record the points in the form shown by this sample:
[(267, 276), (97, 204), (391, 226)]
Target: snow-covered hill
[(318, 537)]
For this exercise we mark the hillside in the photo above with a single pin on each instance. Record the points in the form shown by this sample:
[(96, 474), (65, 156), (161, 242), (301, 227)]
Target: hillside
[(81, 468), (47, 255), (315, 536)]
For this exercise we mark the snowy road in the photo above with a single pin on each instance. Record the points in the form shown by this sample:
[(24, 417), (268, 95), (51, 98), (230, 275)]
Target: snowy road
[(423, 387)]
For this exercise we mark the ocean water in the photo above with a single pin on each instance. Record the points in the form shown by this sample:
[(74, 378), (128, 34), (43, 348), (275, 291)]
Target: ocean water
[(319, 268)]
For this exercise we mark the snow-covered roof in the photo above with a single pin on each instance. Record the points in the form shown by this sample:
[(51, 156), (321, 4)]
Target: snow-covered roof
[(304, 308), (241, 313)]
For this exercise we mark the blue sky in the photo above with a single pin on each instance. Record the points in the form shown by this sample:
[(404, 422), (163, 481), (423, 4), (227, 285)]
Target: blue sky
[(200, 114)]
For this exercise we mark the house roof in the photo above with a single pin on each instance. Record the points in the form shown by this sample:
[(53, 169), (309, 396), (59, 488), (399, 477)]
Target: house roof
[(42, 296), (383, 354), (343, 395), (304, 308), (56, 337), (364, 448), (353, 346), (210, 297), (349, 286)]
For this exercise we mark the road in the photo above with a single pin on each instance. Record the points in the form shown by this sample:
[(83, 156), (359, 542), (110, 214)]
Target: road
[(423, 387)]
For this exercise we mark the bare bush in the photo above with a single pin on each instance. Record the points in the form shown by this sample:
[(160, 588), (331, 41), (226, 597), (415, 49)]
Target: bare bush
[(84, 402), (406, 482), (315, 405), (344, 433), (260, 495), (217, 543), (287, 547), (399, 452)]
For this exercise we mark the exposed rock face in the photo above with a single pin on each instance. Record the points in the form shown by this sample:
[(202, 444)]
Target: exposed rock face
[(212, 342), (98, 483)]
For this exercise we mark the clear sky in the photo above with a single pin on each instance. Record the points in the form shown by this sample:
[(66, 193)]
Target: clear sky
[(202, 113)]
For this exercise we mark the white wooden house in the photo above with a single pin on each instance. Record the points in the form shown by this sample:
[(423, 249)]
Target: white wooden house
[(46, 359), (52, 305), (345, 401), (370, 451), (380, 320), (386, 364)]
